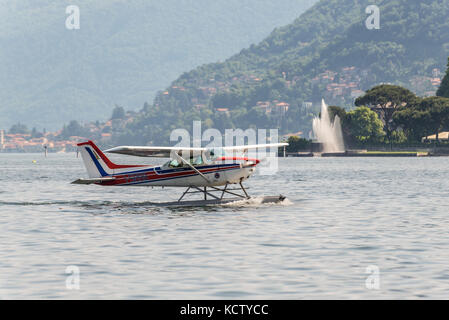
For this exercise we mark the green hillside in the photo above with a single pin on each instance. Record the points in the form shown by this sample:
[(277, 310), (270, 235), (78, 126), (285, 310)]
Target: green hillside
[(122, 54), (327, 52)]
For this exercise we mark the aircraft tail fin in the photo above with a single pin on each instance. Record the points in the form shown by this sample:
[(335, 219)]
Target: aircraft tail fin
[(94, 160), (97, 164)]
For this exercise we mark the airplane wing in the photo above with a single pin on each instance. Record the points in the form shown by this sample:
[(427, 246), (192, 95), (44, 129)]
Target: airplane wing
[(254, 146), (165, 152), (156, 152)]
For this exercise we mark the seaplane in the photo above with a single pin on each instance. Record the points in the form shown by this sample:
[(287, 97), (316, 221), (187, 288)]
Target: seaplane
[(213, 173)]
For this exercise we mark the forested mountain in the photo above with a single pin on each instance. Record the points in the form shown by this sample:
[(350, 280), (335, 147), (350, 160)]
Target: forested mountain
[(327, 52), (124, 51)]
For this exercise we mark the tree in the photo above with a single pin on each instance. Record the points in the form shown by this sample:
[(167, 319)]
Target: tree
[(443, 90), (36, 134), (386, 100), (438, 108), (19, 128), (296, 144), (429, 116), (364, 125), (336, 111), (73, 129), (118, 113), (414, 122)]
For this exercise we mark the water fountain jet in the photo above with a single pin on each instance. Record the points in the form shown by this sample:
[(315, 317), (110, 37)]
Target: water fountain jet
[(328, 133)]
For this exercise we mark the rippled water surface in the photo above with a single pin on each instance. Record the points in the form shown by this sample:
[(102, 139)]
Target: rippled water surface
[(342, 216)]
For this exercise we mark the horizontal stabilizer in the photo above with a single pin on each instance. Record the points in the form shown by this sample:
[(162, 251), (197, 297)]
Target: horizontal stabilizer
[(93, 180)]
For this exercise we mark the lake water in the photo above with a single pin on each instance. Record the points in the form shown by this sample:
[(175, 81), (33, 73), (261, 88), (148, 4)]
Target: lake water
[(343, 217)]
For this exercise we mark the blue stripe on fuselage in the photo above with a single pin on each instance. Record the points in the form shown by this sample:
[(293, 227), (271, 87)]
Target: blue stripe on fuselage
[(159, 171)]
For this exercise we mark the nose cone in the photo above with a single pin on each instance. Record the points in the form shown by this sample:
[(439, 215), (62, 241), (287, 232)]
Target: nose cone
[(250, 163)]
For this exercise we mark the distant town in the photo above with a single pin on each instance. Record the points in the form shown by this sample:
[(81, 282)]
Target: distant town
[(20, 139), (24, 142)]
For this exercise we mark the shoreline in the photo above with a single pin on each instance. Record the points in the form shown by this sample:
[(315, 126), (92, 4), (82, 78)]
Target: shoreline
[(366, 154)]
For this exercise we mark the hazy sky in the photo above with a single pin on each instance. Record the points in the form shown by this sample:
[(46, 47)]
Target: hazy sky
[(123, 52)]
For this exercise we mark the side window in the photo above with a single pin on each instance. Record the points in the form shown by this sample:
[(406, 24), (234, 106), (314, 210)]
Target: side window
[(175, 164), (215, 154), (196, 161)]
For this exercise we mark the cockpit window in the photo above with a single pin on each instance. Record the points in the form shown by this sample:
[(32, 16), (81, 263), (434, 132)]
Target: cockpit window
[(216, 153), (174, 164), (196, 161)]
